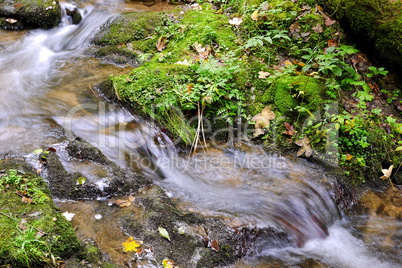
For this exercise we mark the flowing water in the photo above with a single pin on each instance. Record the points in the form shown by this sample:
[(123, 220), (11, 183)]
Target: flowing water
[(45, 80)]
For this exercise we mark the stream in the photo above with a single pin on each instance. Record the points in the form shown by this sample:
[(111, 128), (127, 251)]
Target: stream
[(45, 81)]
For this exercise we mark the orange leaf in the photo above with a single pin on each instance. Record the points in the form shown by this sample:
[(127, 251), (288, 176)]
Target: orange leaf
[(215, 245), (349, 157), (290, 130)]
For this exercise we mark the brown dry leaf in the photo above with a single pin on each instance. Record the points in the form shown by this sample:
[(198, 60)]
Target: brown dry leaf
[(262, 120), (305, 147), (214, 245), (26, 200), (161, 43), (387, 173), (294, 30), (123, 203), (290, 130), (332, 43), (329, 21), (265, 6), (22, 225), (263, 74), (254, 16), (318, 28)]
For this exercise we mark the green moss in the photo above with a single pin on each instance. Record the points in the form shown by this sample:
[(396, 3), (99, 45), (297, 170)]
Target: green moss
[(32, 230), (169, 92), (37, 13), (377, 21), (289, 92)]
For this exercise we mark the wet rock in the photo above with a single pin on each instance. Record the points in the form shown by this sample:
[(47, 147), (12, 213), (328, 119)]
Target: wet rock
[(66, 185), (29, 14), (388, 203), (63, 184), (195, 240), (73, 12)]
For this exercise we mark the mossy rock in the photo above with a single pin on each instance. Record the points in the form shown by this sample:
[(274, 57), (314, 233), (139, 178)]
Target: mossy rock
[(33, 231), (291, 92), (376, 24), (30, 14)]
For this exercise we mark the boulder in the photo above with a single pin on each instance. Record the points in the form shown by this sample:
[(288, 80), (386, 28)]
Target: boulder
[(29, 14), (375, 24)]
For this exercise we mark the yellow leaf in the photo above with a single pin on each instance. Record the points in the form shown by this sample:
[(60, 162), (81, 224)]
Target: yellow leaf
[(168, 263), (287, 63), (387, 172), (254, 16), (349, 157), (131, 244)]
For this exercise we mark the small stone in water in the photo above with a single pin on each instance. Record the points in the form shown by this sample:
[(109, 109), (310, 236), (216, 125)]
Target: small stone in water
[(98, 216)]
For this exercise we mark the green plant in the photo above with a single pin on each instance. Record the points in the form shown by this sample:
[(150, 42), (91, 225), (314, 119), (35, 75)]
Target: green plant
[(29, 248), (24, 185)]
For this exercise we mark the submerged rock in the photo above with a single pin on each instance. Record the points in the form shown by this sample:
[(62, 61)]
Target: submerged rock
[(29, 14)]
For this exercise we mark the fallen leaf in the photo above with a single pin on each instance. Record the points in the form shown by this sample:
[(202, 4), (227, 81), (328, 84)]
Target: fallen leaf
[(39, 234), (305, 147), (214, 245), (332, 43), (164, 233), (387, 173), (168, 263), (184, 62), (294, 30), (290, 130), (329, 21), (18, 5), (254, 16), (262, 120), (123, 203), (26, 200), (318, 28), (196, 7), (11, 21), (236, 21), (131, 244), (37, 151), (68, 216), (161, 43), (263, 74), (265, 6), (81, 181), (348, 157), (22, 225)]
